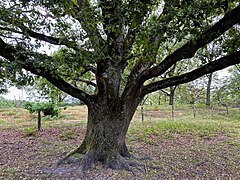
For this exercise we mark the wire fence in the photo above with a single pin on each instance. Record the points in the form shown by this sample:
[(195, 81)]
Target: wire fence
[(157, 113)]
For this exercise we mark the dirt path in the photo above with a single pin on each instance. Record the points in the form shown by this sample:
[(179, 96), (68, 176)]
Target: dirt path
[(181, 157)]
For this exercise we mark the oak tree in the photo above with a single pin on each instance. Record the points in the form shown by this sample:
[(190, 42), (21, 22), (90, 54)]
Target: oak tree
[(119, 48)]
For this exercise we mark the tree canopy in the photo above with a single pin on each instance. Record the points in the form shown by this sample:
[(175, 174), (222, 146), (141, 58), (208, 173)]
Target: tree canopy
[(143, 39)]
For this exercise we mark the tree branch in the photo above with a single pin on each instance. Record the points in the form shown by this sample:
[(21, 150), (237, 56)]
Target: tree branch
[(85, 81), (143, 64), (89, 68), (165, 92), (210, 67), (238, 67), (189, 49), (52, 40), (12, 54)]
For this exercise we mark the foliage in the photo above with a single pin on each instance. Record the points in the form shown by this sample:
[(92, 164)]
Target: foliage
[(47, 108), (126, 36), (46, 91), (227, 92)]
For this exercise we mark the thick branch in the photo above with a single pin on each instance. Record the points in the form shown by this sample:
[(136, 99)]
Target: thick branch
[(10, 53), (189, 49), (165, 92), (43, 37), (210, 67)]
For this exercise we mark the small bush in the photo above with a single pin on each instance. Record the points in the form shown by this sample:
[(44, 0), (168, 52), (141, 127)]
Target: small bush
[(48, 109)]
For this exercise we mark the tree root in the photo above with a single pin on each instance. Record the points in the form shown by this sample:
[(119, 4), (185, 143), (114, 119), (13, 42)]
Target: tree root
[(78, 150), (115, 162), (87, 162)]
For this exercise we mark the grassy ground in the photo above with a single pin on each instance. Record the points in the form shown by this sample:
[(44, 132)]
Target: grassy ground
[(204, 147)]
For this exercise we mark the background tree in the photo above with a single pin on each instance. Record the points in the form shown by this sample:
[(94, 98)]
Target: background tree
[(209, 54), (227, 90), (208, 94), (120, 44)]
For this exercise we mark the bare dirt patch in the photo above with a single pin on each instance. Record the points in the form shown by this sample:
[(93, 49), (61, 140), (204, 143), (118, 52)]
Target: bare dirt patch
[(181, 157)]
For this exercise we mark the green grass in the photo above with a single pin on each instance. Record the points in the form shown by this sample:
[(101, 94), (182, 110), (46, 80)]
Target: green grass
[(3, 122), (157, 132), (204, 125), (165, 128), (157, 122)]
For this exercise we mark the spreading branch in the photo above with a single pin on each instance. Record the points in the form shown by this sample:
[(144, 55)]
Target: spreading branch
[(11, 53), (89, 68), (189, 49), (210, 67)]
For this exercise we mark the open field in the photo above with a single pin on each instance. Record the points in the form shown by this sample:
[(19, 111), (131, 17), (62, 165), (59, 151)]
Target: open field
[(205, 147)]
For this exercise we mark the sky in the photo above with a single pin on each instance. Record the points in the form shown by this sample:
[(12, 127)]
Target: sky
[(15, 94)]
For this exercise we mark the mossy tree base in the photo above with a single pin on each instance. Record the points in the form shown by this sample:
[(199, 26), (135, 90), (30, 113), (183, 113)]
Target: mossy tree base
[(104, 141)]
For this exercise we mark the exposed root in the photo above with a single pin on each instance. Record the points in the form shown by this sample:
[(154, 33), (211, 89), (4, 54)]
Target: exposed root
[(122, 160), (116, 162), (78, 150), (127, 154), (87, 162), (121, 164)]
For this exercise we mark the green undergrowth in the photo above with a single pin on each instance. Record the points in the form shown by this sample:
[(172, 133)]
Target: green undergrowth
[(165, 129), (3, 122), (203, 126)]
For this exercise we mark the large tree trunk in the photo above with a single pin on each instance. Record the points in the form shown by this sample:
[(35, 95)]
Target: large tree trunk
[(104, 141)]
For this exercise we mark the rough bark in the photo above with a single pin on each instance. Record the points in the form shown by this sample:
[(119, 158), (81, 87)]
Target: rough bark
[(104, 141)]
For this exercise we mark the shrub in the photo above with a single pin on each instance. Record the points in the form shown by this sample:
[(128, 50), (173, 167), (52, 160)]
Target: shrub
[(48, 109)]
